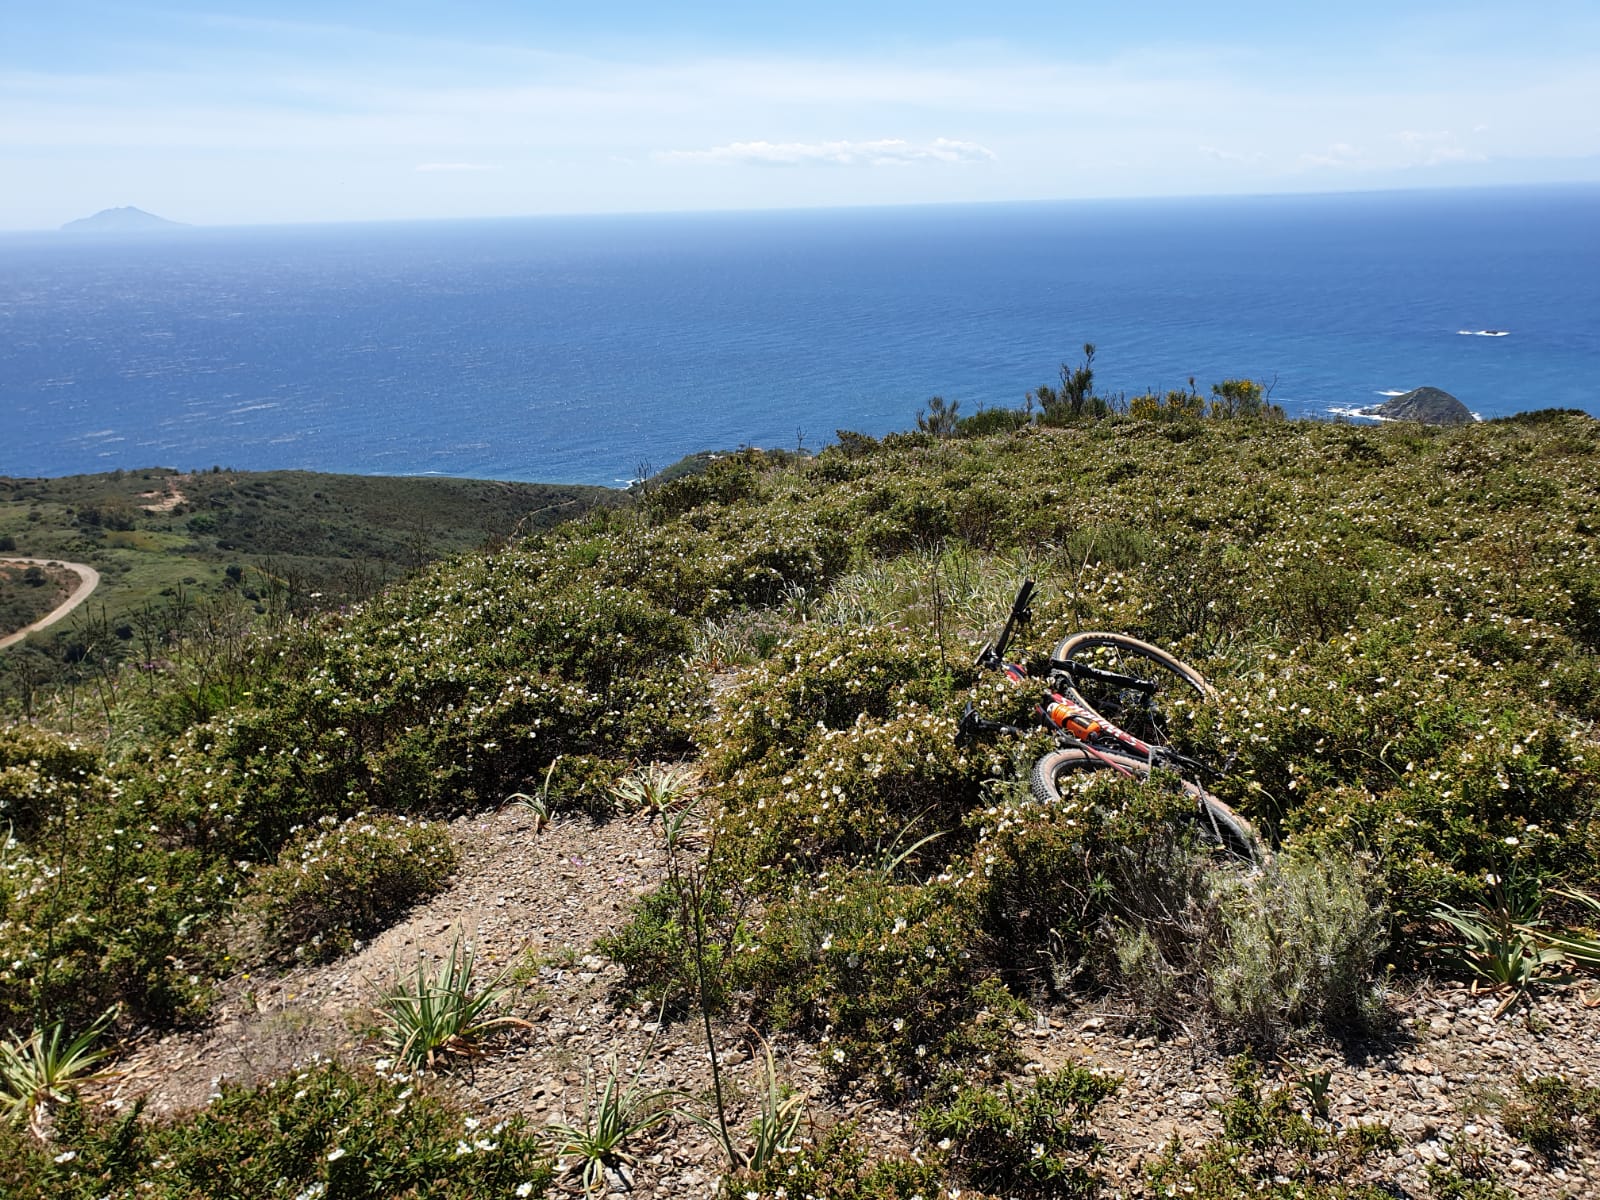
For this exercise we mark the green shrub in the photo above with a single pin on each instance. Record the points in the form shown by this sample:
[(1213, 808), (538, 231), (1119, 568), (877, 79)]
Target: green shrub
[(1551, 1113), (1317, 598), (989, 421), (1450, 1183), (724, 481), (104, 905), (656, 951), (1055, 883), (837, 1165), (853, 794), (1296, 945), (886, 974), (824, 679), (326, 1130), (339, 882), (581, 783), (38, 770), (1024, 1141)]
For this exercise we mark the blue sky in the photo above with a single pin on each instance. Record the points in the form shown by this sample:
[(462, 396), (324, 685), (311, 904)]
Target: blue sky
[(262, 113)]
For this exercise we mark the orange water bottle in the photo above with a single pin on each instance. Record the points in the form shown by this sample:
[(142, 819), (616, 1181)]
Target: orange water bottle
[(1074, 718)]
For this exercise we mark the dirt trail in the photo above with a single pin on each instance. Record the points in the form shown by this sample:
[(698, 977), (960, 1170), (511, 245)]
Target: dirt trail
[(519, 894), (88, 580), (1439, 1078)]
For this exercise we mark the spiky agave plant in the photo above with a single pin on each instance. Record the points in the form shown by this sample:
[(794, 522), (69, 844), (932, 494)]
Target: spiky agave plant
[(35, 1071), (657, 789), (619, 1111), (445, 1012)]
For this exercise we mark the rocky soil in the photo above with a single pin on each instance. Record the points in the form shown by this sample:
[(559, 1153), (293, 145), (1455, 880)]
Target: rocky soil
[(534, 900)]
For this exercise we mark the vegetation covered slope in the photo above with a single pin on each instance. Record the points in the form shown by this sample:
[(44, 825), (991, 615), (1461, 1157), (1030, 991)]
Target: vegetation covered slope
[(1401, 623), (168, 544)]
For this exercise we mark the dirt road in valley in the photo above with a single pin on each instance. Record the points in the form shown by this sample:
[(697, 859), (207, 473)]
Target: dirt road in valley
[(88, 578)]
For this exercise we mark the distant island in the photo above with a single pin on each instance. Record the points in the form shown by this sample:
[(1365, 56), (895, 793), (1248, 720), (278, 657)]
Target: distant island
[(1429, 405), (121, 220)]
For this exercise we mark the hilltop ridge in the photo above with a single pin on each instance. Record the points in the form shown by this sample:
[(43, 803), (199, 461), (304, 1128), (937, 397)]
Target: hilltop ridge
[(683, 775)]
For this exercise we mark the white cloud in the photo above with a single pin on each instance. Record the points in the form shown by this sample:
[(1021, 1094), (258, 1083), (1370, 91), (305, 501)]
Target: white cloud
[(1437, 149), (883, 152), (1340, 154), (455, 166), (1231, 156)]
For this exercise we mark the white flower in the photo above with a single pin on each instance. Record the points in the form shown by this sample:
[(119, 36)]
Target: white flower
[(524, 1190), (336, 1154), (66, 1156)]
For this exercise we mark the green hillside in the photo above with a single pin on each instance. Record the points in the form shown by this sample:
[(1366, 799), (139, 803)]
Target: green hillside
[(1400, 622), (291, 540)]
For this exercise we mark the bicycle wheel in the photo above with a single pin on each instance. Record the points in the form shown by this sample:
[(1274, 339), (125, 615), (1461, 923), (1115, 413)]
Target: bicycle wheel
[(1236, 835), (1047, 774), (1139, 688), (1218, 822)]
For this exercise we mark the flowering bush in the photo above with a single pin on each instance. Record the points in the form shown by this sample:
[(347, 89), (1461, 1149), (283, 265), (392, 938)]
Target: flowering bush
[(823, 679), (1025, 1141), (96, 900), (1401, 624), (340, 881), (326, 1130), (836, 1164), (36, 769), (887, 975), (854, 794), (1048, 881)]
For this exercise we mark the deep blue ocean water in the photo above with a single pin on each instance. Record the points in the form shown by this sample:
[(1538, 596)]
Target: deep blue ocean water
[(576, 348)]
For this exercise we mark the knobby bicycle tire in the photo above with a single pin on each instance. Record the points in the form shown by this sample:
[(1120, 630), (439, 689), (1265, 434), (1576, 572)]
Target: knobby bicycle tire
[(1217, 820), (1144, 721), (1044, 779)]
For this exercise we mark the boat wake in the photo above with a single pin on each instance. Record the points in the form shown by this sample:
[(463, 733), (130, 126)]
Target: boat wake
[(1484, 332)]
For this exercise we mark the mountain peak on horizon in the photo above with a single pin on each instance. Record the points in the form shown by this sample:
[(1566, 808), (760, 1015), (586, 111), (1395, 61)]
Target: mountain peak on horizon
[(121, 220)]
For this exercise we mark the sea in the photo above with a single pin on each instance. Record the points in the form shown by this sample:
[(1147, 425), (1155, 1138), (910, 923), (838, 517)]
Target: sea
[(589, 349)]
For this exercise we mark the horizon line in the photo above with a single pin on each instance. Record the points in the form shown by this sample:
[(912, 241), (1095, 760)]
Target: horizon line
[(177, 228)]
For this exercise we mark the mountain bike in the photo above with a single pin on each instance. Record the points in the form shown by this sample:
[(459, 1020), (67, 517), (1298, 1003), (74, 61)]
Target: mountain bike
[(1113, 702)]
